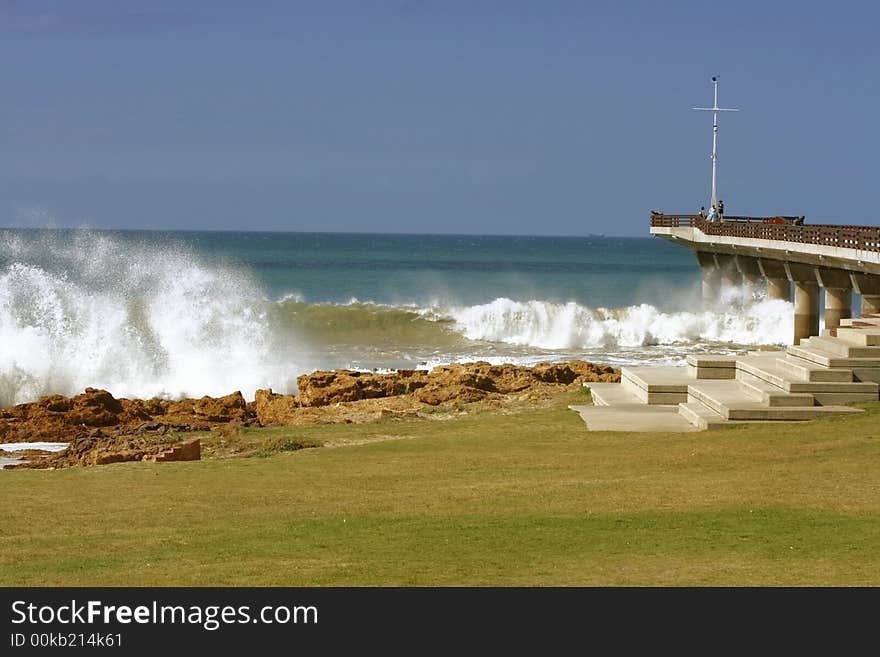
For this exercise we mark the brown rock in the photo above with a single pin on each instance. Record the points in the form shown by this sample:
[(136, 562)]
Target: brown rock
[(435, 394), (273, 408), (221, 409), (324, 388), (190, 450), (102, 429)]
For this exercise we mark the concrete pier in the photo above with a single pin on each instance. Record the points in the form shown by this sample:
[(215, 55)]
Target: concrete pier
[(869, 288), (730, 275), (711, 278), (779, 288), (787, 254), (806, 310), (806, 300), (838, 295), (778, 285), (838, 305), (750, 270)]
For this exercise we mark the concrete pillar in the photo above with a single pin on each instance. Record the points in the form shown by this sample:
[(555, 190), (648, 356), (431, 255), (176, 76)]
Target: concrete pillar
[(838, 305), (779, 288), (838, 294), (711, 278), (868, 286), (806, 300), (806, 310), (730, 275), (751, 272), (778, 285)]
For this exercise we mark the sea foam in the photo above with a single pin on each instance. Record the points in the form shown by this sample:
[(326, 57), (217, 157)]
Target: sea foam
[(550, 325), (91, 310)]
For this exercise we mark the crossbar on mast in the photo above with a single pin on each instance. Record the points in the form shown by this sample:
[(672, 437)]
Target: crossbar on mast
[(715, 109)]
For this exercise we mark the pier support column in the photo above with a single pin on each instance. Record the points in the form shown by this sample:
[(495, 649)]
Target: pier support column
[(778, 285), (751, 273), (868, 287), (711, 278), (838, 295), (779, 288), (806, 300), (730, 276), (838, 305), (806, 310)]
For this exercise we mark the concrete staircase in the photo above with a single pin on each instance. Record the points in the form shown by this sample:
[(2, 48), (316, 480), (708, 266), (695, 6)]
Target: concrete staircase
[(814, 379)]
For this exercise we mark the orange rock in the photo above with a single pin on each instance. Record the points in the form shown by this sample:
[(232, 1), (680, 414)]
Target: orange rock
[(273, 408), (324, 388), (221, 409)]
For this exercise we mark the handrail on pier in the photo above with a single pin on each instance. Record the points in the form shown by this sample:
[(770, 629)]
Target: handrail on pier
[(782, 228)]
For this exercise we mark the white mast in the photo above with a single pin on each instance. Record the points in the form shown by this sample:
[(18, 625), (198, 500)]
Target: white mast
[(715, 109)]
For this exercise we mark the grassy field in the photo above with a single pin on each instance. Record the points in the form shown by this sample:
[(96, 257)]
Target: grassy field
[(525, 498)]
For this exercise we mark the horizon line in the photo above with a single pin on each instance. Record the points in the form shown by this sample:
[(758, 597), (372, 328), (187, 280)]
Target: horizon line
[(319, 232)]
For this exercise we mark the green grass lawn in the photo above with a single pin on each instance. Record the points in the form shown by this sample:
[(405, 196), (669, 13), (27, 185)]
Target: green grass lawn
[(525, 498)]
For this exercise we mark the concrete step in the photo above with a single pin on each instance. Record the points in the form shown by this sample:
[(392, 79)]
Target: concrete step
[(786, 413), (734, 404), (831, 359), (611, 394), (656, 385), (711, 367), (719, 396), (823, 391), (860, 337), (860, 321), (806, 370), (633, 417), (770, 395), (702, 416), (841, 348), (764, 369)]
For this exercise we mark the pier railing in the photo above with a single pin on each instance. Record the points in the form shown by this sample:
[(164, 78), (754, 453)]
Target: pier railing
[(787, 229)]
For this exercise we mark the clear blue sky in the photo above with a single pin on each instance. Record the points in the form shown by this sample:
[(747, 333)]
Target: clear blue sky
[(541, 117)]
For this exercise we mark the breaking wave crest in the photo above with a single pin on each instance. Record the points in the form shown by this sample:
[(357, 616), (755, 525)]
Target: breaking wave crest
[(573, 326), (90, 310)]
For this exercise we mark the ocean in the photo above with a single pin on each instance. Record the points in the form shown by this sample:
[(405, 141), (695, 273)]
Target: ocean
[(174, 314)]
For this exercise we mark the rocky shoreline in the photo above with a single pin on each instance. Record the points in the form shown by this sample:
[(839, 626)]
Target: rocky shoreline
[(101, 429)]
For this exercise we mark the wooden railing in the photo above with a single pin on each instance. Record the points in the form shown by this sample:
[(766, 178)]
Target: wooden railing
[(787, 229)]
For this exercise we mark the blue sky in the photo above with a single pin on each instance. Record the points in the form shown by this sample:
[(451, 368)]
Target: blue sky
[(551, 117)]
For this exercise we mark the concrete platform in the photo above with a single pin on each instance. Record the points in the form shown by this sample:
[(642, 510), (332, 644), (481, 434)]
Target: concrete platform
[(863, 337), (861, 321), (770, 395), (841, 348), (703, 417), (814, 379), (770, 372), (610, 394), (711, 367), (634, 417), (657, 385), (658, 379), (830, 359), (807, 370)]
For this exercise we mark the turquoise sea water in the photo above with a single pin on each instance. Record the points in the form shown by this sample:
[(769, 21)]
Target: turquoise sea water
[(189, 313)]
